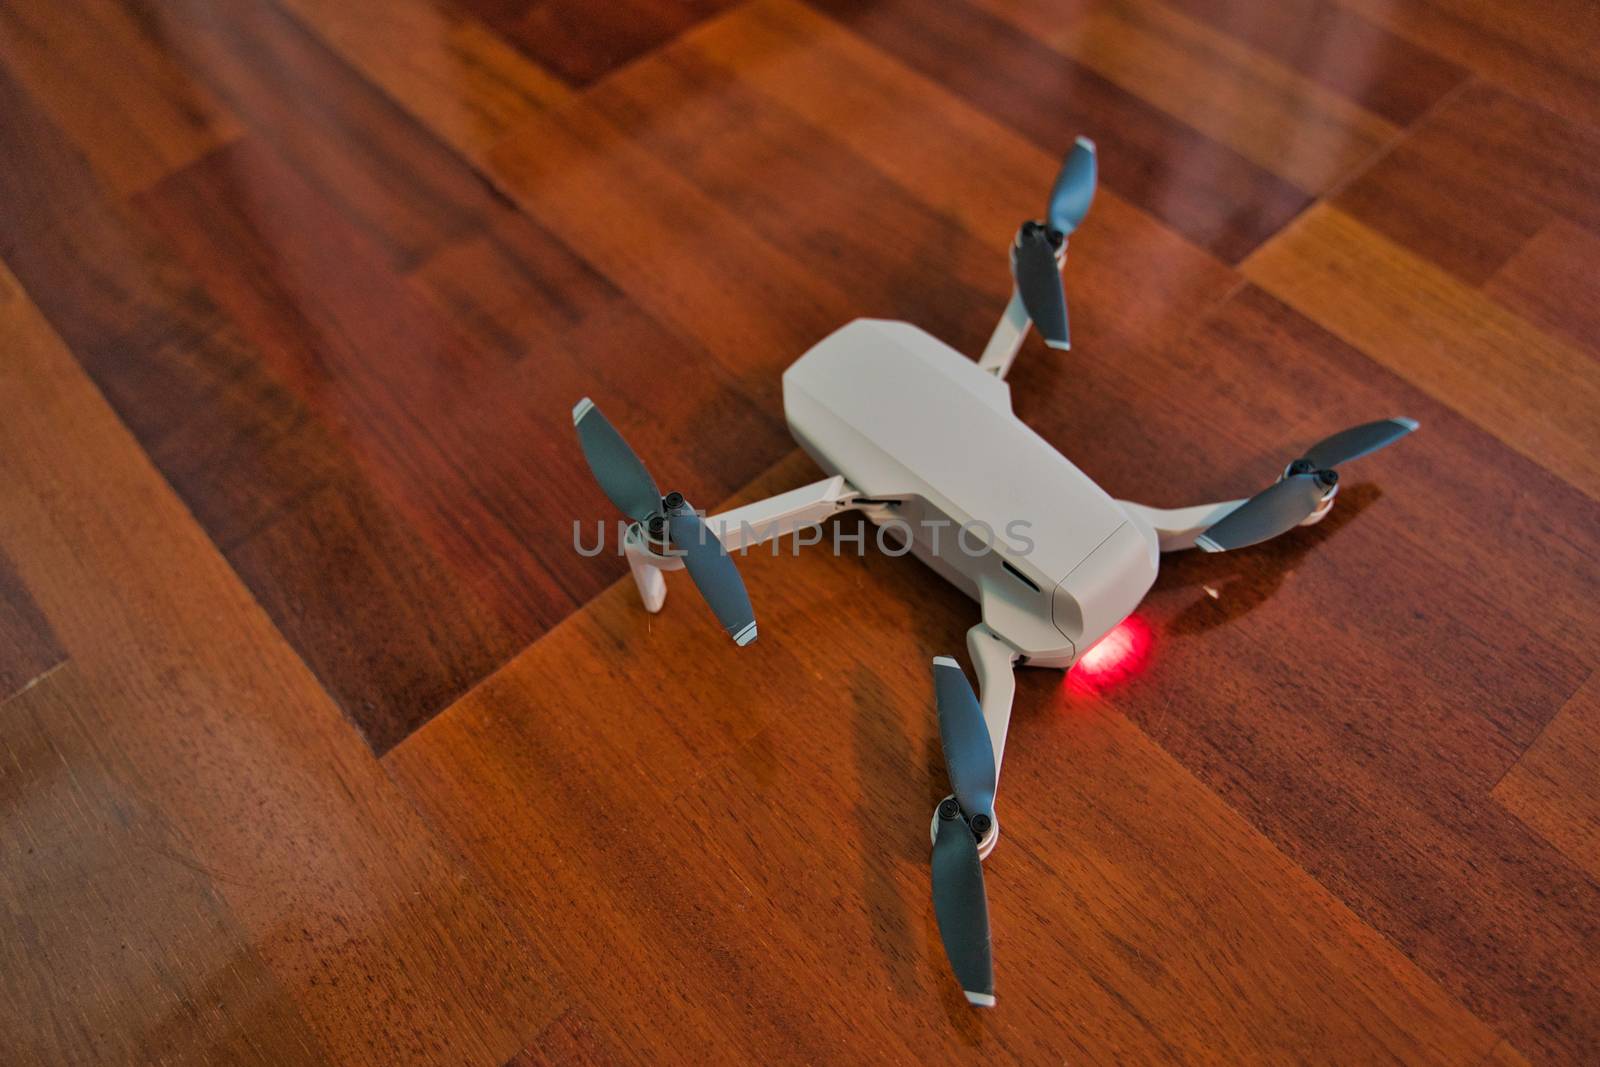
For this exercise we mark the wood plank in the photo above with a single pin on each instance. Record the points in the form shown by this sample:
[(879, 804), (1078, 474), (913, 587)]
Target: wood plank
[(1383, 72), (584, 42), (388, 629), (1542, 51), (1476, 179), (379, 166), (1132, 282), (117, 946), (125, 103), (1269, 113), (366, 354), (516, 290), (246, 454), (1206, 191), (788, 867), (1551, 786), (388, 951), (1549, 282), (28, 647), (453, 74), (1529, 389), (691, 263), (810, 194)]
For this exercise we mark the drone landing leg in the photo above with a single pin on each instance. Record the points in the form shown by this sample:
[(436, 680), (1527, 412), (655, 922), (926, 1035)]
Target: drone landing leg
[(737, 529)]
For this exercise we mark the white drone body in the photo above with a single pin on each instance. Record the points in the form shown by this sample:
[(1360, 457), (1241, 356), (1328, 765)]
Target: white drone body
[(923, 441)]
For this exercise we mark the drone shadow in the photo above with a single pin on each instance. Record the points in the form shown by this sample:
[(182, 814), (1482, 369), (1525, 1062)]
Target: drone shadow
[(1252, 578), (895, 807), (882, 753)]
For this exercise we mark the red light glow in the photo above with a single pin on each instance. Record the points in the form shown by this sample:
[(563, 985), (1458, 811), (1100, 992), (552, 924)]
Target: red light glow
[(1116, 657)]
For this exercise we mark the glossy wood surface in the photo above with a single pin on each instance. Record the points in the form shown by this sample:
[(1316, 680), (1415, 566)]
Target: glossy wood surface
[(320, 744)]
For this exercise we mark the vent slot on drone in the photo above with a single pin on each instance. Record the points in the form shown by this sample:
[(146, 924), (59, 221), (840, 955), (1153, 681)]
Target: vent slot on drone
[(1019, 576)]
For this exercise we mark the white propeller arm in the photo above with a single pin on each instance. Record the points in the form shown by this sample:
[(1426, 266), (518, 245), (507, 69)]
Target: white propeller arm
[(1006, 341), (1177, 528), (781, 515), (993, 659), (738, 529)]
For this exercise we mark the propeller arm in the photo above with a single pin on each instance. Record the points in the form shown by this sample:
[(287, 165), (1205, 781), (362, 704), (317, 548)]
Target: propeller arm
[(1006, 341), (739, 528), (1175, 529), (1070, 198), (994, 660)]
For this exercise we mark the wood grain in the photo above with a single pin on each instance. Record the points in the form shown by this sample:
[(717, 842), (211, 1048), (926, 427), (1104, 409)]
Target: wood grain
[(1532, 390), (1476, 179), (1548, 282), (1328, 43), (1221, 201), (123, 100), (826, 207), (1146, 283), (466, 84), (1269, 113), (385, 948), (247, 455), (572, 1041), (367, 354), (385, 173), (1549, 787), (1504, 1055), (118, 947), (1540, 51), (28, 647), (689, 261), (583, 42)]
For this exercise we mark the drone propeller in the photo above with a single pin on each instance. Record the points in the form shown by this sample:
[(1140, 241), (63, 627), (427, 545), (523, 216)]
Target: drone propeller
[(1073, 192), (1292, 499), (627, 483), (1033, 255), (959, 901)]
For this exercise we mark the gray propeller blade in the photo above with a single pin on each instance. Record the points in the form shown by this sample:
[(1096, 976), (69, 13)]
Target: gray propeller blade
[(968, 752), (1278, 508), (621, 474), (962, 906), (1033, 264), (1074, 188), (1283, 506), (714, 574), (1357, 441)]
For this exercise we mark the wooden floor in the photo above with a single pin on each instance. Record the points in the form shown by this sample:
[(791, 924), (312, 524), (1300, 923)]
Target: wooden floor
[(319, 744)]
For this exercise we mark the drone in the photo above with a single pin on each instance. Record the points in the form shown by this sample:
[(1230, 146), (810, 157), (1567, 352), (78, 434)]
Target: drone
[(916, 436)]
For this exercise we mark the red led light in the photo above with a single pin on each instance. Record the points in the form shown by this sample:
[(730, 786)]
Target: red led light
[(1114, 658)]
